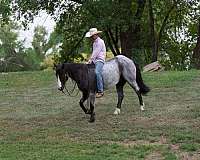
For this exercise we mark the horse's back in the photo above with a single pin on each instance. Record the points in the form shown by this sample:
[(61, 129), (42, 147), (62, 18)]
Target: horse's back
[(111, 73), (128, 67), (125, 61)]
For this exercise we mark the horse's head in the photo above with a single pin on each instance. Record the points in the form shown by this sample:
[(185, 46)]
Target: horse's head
[(61, 76)]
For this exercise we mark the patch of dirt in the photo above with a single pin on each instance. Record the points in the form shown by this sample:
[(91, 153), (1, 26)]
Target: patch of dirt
[(189, 156), (138, 142), (174, 147), (154, 156), (128, 143)]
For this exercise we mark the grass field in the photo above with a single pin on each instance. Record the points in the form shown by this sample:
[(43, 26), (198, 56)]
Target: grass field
[(37, 122)]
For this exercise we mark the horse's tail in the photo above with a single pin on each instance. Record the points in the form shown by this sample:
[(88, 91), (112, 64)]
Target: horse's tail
[(143, 88)]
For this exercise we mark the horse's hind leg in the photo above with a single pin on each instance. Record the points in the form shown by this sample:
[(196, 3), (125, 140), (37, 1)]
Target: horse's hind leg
[(134, 85), (129, 74), (140, 100), (137, 90), (120, 94)]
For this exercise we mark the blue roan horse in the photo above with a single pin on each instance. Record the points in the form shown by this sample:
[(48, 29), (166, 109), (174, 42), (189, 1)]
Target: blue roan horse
[(116, 72)]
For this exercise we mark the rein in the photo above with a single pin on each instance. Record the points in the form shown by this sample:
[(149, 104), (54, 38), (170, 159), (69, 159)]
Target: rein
[(69, 93)]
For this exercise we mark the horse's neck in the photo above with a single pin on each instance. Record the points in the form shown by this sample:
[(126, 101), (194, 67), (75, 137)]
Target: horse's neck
[(71, 73), (79, 73), (76, 72)]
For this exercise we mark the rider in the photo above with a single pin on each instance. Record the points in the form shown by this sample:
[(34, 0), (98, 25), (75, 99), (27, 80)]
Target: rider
[(97, 57)]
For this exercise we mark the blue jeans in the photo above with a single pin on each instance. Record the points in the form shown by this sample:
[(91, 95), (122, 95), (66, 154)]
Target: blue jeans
[(99, 77)]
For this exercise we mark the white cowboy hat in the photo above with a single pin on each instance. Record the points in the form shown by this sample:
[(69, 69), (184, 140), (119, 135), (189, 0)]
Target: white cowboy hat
[(92, 32)]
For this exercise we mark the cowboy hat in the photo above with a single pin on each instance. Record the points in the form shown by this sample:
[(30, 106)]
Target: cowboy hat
[(92, 32)]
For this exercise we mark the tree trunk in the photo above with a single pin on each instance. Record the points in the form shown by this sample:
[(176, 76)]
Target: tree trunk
[(130, 37), (154, 47), (110, 43), (112, 40), (156, 37), (196, 51), (127, 42)]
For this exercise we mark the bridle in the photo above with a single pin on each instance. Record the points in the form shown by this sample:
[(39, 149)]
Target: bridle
[(69, 93)]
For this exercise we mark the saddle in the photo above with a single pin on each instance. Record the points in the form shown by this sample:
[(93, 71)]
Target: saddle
[(91, 66)]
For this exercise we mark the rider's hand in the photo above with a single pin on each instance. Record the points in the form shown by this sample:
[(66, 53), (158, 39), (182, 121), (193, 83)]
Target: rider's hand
[(89, 62)]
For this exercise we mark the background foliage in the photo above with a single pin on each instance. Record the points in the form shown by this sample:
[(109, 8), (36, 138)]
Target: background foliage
[(143, 30)]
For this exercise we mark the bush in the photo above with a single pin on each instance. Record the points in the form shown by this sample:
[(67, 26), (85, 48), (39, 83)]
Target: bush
[(47, 63)]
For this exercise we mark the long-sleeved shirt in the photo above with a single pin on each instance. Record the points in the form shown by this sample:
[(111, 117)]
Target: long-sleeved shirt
[(98, 51)]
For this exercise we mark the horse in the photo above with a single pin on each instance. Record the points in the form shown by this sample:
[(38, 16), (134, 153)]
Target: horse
[(116, 72)]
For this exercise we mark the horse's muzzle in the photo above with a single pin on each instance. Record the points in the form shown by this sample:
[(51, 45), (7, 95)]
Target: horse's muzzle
[(60, 88)]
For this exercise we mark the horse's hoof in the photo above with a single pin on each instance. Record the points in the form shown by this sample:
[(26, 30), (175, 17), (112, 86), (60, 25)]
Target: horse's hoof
[(92, 118), (142, 107), (117, 111)]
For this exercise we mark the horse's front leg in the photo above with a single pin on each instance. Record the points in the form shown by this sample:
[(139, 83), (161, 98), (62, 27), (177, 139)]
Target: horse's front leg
[(92, 104), (82, 100)]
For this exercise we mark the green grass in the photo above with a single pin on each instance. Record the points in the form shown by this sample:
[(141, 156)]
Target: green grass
[(72, 151), (39, 122)]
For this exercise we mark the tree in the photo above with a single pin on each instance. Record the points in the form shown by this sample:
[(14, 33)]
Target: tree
[(13, 55), (156, 35), (196, 51), (5, 10), (170, 33), (182, 33), (125, 25), (11, 49), (120, 20), (40, 41)]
